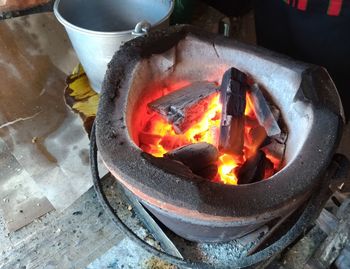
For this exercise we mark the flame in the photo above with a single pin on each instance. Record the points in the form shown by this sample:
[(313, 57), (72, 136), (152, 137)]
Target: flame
[(205, 130), (249, 109), (226, 169)]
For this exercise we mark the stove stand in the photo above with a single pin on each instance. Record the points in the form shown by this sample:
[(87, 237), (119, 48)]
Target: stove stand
[(308, 215)]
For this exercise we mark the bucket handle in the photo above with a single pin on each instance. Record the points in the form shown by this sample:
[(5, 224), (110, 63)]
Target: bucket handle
[(141, 28)]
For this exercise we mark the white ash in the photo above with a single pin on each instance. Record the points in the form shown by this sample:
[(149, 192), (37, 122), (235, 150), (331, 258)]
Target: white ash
[(223, 254)]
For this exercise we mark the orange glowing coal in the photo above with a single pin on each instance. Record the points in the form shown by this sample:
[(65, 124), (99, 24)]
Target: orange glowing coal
[(158, 137)]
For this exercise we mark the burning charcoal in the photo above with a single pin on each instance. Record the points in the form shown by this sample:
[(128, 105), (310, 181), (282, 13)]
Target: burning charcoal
[(208, 172), (251, 122), (281, 138), (275, 149), (170, 166), (269, 168), (170, 142), (214, 134), (196, 155), (263, 112), (146, 148), (150, 125), (148, 139), (186, 106), (276, 112), (233, 97), (232, 135), (199, 157), (253, 170), (258, 137)]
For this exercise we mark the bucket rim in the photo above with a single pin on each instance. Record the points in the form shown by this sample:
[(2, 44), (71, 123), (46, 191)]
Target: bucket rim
[(70, 25)]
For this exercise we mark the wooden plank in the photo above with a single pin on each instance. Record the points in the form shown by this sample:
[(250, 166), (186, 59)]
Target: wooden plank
[(21, 201), (71, 239)]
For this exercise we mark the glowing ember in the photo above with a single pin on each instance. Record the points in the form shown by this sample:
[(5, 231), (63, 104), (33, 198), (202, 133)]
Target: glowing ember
[(159, 137)]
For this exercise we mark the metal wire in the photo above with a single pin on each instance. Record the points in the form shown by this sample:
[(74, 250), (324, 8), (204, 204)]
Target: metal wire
[(307, 217)]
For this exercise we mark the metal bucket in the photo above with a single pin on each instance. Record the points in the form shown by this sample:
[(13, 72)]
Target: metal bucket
[(98, 28)]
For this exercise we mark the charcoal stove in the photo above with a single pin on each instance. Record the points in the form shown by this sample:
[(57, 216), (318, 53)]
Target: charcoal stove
[(198, 209)]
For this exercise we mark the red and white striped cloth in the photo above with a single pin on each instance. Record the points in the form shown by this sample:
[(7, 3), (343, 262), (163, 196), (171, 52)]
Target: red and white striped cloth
[(334, 6)]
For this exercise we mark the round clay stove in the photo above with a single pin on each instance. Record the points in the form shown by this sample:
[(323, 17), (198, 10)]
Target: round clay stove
[(190, 205)]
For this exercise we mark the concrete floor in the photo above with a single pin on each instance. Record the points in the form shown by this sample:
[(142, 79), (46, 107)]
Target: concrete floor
[(82, 236)]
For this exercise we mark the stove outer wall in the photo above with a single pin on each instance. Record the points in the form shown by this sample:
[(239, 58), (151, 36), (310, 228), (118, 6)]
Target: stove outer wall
[(215, 232), (213, 205)]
